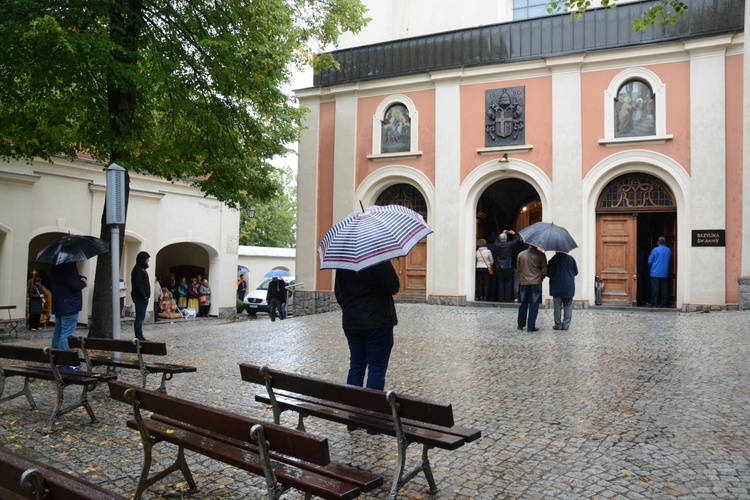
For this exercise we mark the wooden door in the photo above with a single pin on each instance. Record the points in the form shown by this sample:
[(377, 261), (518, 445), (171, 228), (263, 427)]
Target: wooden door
[(412, 272), (616, 257)]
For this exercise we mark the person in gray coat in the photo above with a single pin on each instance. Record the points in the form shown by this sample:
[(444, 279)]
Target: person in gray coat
[(562, 270)]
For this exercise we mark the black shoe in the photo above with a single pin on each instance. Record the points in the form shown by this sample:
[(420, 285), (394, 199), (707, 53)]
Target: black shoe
[(533, 329), (520, 328), (143, 339), (558, 328)]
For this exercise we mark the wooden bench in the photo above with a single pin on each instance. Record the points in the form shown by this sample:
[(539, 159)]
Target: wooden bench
[(9, 324), (25, 478), (286, 458), (409, 419), (48, 360), (112, 361)]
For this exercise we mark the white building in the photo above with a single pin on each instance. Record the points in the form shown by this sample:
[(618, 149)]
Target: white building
[(185, 232)]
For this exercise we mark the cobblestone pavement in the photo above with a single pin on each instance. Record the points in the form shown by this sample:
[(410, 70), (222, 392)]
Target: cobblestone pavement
[(625, 404)]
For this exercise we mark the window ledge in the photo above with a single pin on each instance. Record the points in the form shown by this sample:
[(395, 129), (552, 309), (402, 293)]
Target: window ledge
[(390, 156), (629, 141), (496, 150)]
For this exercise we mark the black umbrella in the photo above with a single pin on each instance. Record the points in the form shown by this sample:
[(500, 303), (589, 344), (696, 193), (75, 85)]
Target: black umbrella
[(549, 237), (72, 248)]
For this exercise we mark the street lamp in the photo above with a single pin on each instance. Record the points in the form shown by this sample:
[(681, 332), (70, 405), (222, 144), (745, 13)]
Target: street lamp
[(250, 212)]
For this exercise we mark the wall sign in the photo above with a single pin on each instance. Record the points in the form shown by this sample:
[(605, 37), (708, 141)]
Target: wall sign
[(505, 115), (709, 237)]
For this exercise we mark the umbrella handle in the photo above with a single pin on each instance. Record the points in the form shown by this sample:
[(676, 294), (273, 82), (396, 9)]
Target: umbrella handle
[(361, 206)]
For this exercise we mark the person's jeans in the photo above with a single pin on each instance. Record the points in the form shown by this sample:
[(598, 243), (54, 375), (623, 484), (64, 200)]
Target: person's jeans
[(658, 292), (504, 285), (369, 350), (65, 326), (563, 311), (140, 315), (531, 297)]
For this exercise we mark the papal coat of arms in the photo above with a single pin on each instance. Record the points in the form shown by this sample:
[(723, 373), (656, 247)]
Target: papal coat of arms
[(505, 116)]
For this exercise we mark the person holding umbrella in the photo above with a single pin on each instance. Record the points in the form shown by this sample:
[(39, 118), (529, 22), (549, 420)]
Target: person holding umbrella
[(67, 285), (562, 270), (140, 292), (369, 315), (276, 298), (360, 248)]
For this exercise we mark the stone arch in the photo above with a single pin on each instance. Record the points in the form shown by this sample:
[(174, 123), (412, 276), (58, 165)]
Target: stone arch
[(668, 171), (471, 190)]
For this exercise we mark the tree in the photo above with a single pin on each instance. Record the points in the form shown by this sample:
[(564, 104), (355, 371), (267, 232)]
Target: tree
[(663, 12), (274, 221), (172, 88)]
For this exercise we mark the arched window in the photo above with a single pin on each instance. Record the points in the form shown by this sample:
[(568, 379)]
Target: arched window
[(395, 129), (633, 193), (405, 195), (635, 110), (635, 105)]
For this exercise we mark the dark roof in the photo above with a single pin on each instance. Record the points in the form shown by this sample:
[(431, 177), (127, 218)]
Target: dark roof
[(556, 35)]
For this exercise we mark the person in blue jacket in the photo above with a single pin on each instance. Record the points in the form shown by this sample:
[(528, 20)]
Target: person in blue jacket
[(67, 302), (562, 271), (659, 261)]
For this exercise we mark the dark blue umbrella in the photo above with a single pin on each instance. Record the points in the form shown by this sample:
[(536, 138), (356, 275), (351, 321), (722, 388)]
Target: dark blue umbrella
[(548, 236), (277, 273), (242, 269)]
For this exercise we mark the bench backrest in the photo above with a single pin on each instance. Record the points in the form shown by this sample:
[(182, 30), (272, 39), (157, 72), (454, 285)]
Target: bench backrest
[(410, 407), (152, 348), (39, 354), (59, 484), (283, 440)]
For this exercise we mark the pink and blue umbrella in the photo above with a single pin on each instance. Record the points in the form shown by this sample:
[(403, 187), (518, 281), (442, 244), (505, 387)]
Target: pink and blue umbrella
[(372, 236)]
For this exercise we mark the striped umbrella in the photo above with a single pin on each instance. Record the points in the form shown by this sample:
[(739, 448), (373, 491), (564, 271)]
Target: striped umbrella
[(372, 236)]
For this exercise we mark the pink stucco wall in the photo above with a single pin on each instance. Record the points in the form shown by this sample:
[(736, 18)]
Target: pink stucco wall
[(538, 127)]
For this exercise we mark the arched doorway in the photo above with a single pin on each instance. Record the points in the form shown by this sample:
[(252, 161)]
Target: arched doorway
[(509, 204), (632, 212), (412, 269)]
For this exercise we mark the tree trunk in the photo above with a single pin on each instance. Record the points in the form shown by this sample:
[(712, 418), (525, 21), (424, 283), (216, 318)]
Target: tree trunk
[(126, 22)]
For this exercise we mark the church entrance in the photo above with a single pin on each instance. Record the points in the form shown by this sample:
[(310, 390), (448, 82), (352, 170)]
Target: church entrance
[(632, 212), (509, 204), (412, 269)]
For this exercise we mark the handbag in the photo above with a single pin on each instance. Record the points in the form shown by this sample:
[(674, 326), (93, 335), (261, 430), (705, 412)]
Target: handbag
[(203, 299), (489, 268)]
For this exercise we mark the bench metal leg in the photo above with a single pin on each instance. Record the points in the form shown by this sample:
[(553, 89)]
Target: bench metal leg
[(165, 377), (399, 479), (60, 410), (180, 464), (273, 488), (26, 391)]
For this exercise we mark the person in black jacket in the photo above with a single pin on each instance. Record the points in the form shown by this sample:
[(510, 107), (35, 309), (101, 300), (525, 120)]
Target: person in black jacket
[(140, 291), (369, 315), (276, 297), (67, 302)]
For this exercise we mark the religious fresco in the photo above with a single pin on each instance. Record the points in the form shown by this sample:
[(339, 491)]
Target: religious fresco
[(396, 131), (634, 110)]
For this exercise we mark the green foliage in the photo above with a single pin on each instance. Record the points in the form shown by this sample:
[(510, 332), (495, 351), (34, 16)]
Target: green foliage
[(173, 88), (664, 12), (274, 223), (239, 306)]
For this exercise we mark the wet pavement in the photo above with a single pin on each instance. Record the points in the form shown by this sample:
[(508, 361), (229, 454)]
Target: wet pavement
[(625, 404)]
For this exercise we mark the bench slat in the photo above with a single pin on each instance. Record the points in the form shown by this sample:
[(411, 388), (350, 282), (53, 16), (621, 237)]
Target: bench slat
[(37, 355), (413, 408), (324, 487), (60, 484), (366, 481), (75, 378), (372, 422), (304, 446), (152, 348)]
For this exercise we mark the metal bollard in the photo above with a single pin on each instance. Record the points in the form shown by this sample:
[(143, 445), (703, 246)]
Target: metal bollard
[(598, 287)]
